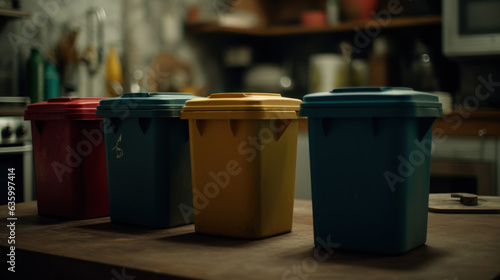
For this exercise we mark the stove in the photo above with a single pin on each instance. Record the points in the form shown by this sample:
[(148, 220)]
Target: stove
[(13, 127), (16, 150), (14, 131)]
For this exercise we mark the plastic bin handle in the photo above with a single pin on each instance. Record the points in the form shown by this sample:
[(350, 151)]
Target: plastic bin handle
[(367, 89), (137, 94), (61, 99)]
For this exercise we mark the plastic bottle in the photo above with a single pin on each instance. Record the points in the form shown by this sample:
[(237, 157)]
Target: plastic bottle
[(51, 81), (35, 76), (114, 80), (333, 12), (379, 65)]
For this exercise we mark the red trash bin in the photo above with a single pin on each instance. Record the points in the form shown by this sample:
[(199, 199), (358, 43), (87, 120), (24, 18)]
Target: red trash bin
[(69, 158)]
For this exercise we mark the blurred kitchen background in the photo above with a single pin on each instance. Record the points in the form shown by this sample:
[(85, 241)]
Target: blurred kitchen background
[(54, 48)]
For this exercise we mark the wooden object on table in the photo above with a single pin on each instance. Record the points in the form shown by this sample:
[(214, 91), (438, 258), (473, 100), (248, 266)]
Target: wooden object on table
[(445, 203), (466, 198), (459, 246)]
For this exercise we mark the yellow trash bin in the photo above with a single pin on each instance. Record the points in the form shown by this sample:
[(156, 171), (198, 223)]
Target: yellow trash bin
[(243, 152)]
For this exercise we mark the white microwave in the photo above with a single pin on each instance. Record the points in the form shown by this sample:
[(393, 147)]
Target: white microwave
[(471, 27)]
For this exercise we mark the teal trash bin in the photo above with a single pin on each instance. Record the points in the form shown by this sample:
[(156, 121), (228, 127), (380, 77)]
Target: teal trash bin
[(370, 152), (148, 159)]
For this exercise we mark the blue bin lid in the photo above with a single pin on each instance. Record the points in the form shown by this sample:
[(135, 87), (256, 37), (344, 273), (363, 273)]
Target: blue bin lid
[(371, 102), (144, 104)]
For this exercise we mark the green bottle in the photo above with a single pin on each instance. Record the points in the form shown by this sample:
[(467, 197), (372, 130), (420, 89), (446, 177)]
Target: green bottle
[(35, 76), (51, 81)]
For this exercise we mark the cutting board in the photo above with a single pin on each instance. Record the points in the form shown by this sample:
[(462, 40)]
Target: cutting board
[(444, 203)]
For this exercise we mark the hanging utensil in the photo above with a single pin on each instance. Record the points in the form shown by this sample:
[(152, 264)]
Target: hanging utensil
[(94, 55)]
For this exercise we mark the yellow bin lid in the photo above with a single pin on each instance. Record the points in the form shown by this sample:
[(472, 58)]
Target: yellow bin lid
[(242, 105)]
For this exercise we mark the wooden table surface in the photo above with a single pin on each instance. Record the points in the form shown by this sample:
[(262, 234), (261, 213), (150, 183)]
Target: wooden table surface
[(459, 246)]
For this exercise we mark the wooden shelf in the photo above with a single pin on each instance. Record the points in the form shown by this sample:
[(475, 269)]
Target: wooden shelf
[(12, 13), (298, 29)]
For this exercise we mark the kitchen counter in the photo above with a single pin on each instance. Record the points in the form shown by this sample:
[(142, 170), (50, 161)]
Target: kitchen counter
[(459, 246), (469, 123)]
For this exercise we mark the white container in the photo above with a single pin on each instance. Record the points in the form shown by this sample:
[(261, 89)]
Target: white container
[(327, 72)]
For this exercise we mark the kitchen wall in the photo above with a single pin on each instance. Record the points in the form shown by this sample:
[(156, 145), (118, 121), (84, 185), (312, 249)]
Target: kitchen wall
[(139, 31), (49, 20)]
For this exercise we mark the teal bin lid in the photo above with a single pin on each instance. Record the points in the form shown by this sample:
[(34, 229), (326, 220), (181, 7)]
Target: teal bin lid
[(371, 102), (144, 104)]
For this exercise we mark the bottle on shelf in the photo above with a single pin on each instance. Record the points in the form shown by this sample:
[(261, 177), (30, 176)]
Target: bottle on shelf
[(35, 71), (114, 76), (51, 81), (379, 64)]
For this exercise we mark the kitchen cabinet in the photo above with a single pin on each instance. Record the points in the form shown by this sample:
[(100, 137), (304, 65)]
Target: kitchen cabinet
[(470, 149), (474, 146), (291, 46), (459, 246)]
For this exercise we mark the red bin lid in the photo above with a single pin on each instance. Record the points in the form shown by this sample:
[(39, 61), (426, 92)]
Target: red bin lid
[(64, 108)]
